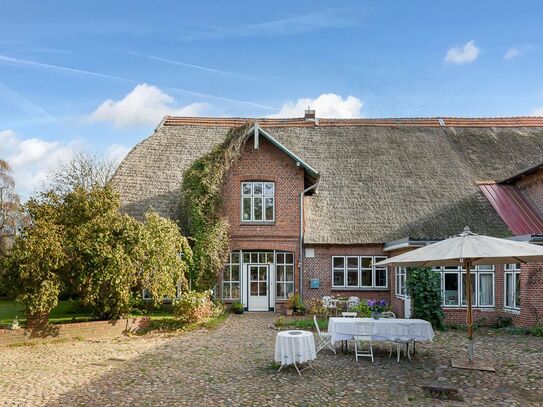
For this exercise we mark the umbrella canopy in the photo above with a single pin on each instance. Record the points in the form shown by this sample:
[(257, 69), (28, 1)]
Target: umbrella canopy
[(481, 250), (468, 249)]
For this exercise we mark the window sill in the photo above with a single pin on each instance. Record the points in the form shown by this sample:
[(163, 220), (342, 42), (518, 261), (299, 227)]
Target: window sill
[(400, 297), (360, 289), (259, 223), (511, 311), (457, 307)]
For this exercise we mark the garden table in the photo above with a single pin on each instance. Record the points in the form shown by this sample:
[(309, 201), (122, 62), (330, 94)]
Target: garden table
[(385, 329), (292, 347)]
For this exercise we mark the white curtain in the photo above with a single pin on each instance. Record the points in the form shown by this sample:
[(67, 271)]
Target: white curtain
[(486, 289)]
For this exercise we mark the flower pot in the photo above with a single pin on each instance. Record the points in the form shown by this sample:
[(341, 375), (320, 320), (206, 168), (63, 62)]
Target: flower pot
[(289, 312), (375, 314), (238, 311)]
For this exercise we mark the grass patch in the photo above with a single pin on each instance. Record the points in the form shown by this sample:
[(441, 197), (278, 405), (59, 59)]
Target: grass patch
[(66, 311), (305, 323), (29, 344)]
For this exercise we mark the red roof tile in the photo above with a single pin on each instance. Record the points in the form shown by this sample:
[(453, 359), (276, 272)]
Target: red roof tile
[(513, 208), (301, 122)]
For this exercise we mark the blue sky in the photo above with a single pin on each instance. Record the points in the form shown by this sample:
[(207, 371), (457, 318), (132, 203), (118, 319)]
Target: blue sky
[(97, 76)]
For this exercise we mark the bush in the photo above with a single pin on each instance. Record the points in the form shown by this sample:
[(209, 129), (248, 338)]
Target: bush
[(316, 307), (295, 303), (237, 308), (193, 306), (424, 287), (363, 309)]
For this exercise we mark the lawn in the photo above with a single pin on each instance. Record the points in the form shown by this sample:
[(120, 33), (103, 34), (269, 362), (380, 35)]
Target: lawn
[(65, 311), (298, 323)]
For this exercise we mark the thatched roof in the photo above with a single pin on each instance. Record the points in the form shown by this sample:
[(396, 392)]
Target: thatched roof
[(380, 179)]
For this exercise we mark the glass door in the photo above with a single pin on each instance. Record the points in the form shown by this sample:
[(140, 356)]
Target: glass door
[(258, 287)]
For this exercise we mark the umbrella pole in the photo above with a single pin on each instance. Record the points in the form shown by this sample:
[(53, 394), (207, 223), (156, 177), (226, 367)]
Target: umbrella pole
[(469, 317)]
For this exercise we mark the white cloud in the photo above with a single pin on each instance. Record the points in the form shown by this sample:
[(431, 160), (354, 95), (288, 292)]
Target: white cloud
[(327, 105), (116, 152), (145, 104), (512, 53), (537, 112), (32, 159), (462, 55)]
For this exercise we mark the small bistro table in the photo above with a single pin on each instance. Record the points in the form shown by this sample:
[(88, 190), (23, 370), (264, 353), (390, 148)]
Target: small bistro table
[(295, 347)]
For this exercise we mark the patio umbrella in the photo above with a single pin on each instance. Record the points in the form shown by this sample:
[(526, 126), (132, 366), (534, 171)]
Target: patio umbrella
[(468, 249)]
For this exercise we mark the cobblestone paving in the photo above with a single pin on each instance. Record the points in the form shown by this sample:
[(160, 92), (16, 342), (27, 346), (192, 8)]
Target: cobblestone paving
[(232, 366)]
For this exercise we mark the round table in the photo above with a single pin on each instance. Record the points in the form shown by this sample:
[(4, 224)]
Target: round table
[(292, 347)]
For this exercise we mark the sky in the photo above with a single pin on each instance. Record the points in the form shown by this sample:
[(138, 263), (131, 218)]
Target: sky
[(98, 76)]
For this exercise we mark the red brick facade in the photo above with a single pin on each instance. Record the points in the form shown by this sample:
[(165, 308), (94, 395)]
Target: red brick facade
[(268, 163)]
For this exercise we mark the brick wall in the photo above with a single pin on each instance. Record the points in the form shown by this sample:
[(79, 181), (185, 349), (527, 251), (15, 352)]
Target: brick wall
[(86, 330), (320, 267), (267, 163)]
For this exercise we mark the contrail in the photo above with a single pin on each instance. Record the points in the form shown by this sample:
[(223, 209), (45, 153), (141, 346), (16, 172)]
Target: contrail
[(66, 69), (23, 102)]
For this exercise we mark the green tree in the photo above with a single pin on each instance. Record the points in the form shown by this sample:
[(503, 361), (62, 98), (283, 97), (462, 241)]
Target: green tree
[(424, 288), (34, 267), (103, 256), (165, 259)]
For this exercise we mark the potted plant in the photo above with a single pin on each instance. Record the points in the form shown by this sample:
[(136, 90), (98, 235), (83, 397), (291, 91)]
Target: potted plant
[(377, 307), (294, 303), (237, 308)]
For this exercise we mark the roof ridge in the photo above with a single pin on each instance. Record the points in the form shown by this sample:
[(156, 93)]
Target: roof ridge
[(441, 121)]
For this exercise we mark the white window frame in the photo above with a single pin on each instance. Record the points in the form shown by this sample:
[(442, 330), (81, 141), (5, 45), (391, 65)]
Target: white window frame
[(460, 272), (400, 278), (252, 196), (374, 259), (229, 283), (284, 282), (511, 270)]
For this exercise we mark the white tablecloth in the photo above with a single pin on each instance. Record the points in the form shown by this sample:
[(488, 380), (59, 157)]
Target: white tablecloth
[(385, 329), (294, 346)]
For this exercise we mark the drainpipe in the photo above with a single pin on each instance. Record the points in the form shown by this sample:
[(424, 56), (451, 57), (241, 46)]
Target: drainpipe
[(300, 260)]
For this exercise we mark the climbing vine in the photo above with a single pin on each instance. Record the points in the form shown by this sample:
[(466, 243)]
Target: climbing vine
[(202, 184)]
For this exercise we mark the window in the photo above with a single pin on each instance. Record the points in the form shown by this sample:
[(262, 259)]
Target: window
[(284, 275), (231, 277), (257, 201), (512, 286), (454, 286), (401, 274), (358, 272)]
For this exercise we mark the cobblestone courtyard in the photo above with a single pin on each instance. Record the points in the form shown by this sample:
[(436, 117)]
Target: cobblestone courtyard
[(232, 366)]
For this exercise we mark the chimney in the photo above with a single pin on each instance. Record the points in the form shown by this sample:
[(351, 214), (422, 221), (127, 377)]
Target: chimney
[(309, 114)]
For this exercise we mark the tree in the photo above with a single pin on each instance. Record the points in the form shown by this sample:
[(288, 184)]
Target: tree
[(10, 211), (83, 170), (11, 218), (424, 287), (166, 258), (103, 256)]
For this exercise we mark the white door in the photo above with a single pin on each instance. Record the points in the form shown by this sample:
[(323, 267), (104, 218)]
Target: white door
[(258, 287)]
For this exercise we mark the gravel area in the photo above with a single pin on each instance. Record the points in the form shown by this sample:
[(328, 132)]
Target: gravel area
[(233, 365)]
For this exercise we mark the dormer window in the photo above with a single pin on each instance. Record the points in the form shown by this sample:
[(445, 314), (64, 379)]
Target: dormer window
[(257, 201)]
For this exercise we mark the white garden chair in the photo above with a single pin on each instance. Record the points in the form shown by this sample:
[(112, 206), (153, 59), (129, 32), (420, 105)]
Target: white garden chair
[(388, 314), (364, 333), (324, 337), (329, 303), (408, 335), (353, 302)]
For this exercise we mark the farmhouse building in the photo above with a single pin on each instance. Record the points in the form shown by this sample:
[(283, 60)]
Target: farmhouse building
[(313, 203)]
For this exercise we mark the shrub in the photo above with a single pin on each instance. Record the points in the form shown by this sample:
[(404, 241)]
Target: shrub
[(237, 307), (193, 306), (362, 309), (316, 307), (424, 287), (295, 303)]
